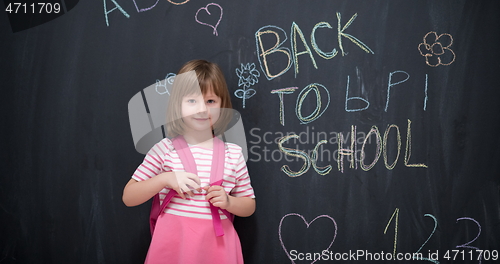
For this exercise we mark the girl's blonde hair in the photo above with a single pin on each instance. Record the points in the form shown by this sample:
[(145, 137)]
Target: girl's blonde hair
[(194, 76)]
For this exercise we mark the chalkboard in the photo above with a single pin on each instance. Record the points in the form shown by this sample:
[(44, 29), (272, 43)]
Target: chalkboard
[(371, 126)]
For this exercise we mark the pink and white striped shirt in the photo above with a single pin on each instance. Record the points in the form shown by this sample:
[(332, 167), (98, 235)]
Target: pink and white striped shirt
[(163, 158)]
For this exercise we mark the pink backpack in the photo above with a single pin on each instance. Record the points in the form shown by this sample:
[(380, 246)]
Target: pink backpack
[(189, 164)]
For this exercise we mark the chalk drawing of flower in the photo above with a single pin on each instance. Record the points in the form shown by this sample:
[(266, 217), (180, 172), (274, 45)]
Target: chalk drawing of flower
[(436, 49), (247, 75), (162, 86)]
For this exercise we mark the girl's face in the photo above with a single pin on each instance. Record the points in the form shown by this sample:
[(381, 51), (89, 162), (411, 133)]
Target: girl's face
[(200, 112)]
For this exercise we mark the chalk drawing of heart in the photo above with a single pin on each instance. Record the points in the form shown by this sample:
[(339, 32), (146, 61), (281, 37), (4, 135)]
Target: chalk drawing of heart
[(208, 12), (307, 224)]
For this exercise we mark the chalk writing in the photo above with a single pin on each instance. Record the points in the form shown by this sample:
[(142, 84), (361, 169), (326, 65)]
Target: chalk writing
[(321, 53), (390, 85), (467, 245), (436, 49), (294, 153), (434, 257), (208, 12), (295, 30), (396, 222), (348, 36), (425, 91), (276, 48), (347, 99), (181, 3), (292, 56), (280, 93), (373, 130), (321, 89), (117, 6), (139, 10), (350, 153), (308, 224), (384, 147), (144, 9), (408, 149), (314, 160), (418, 256), (317, 111)]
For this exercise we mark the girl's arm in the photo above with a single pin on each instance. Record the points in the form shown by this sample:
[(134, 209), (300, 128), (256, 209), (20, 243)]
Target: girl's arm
[(240, 206), (138, 192)]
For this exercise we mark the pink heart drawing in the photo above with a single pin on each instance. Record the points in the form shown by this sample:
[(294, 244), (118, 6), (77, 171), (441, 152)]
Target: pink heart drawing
[(208, 12), (307, 224)]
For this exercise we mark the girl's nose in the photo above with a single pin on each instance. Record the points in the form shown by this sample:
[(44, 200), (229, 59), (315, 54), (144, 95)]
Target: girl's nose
[(202, 107)]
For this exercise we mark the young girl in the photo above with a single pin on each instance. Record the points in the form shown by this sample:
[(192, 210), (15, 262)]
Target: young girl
[(184, 233)]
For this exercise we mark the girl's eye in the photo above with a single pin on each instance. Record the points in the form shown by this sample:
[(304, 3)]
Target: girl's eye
[(191, 101), (211, 101)]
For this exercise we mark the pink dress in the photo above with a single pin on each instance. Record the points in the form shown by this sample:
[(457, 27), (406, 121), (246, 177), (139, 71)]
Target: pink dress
[(185, 240), (184, 233)]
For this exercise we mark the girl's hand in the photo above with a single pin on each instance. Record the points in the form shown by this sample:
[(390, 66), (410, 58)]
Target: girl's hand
[(182, 182), (217, 196)]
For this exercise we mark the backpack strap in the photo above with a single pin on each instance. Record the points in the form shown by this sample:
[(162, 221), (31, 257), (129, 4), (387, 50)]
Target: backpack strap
[(189, 164), (156, 209), (216, 173)]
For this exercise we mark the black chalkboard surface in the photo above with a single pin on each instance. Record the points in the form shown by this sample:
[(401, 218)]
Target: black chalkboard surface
[(371, 126)]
